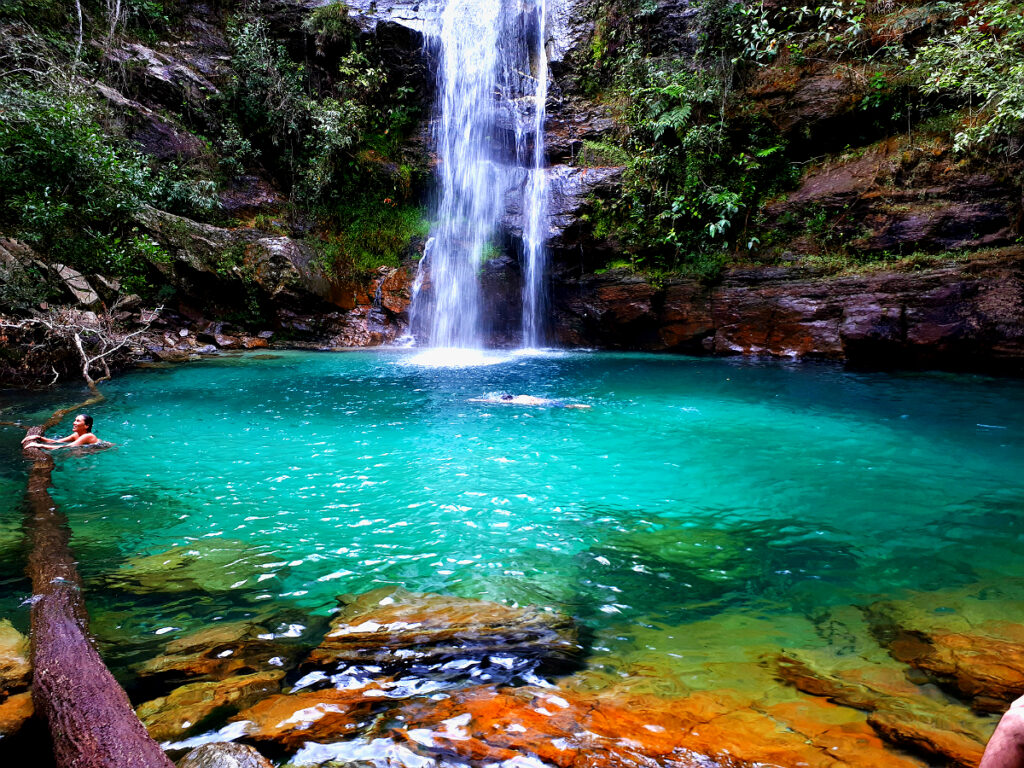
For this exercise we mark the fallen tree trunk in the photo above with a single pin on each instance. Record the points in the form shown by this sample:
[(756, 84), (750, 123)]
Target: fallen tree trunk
[(90, 718)]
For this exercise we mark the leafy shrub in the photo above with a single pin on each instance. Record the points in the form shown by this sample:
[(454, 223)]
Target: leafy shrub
[(266, 95), (66, 183), (692, 173), (980, 59), (370, 233)]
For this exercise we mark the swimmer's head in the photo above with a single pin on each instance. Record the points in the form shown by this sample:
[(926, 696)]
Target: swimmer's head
[(507, 397), (84, 419)]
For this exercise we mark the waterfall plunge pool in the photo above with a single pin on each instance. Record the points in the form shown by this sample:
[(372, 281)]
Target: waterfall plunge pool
[(701, 517)]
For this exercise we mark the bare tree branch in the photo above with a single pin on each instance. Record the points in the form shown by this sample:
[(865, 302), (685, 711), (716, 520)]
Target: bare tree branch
[(95, 339)]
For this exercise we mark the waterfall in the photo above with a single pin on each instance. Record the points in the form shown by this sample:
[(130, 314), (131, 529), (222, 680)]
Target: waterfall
[(488, 133), (535, 199)]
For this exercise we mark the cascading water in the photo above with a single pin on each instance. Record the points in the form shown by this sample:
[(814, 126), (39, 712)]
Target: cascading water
[(536, 194), (489, 138)]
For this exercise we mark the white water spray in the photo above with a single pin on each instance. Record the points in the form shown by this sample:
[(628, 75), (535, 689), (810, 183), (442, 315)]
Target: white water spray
[(535, 199), (489, 138)]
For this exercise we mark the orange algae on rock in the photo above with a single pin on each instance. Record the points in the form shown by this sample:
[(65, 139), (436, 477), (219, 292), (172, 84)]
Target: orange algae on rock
[(293, 719), (185, 709), (572, 730), (216, 653), (958, 639), (988, 671), (14, 711)]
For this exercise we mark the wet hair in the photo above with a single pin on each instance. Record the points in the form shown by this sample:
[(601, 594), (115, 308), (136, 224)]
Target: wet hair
[(507, 396), (88, 421)]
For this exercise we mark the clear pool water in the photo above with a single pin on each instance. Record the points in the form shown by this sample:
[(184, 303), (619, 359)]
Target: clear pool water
[(691, 489)]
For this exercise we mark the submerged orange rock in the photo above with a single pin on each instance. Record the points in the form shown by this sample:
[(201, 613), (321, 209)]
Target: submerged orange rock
[(394, 626), (14, 711), (987, 671), (960, 640), (293, 719), (185, 709), (571, 730), (218, 652)]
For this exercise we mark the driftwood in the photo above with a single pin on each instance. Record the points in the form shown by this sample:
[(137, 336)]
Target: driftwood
[(91, 720)]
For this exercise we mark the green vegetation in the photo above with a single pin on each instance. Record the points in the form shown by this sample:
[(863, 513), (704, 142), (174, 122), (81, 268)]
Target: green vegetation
[(371, 236), (843, 263), (334, 142), (326, 123), (980, 58), (697, 162), (702, 153), (69, 189), (328, 130)]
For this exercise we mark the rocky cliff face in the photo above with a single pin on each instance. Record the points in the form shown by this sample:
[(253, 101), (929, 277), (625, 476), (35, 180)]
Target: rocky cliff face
[(865, 186), (966, 314)]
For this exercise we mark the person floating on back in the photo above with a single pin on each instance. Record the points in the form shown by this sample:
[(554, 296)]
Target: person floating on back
[(81, 434), (507, 399)]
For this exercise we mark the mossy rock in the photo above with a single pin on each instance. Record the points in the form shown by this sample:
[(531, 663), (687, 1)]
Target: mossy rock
[(207, 565)]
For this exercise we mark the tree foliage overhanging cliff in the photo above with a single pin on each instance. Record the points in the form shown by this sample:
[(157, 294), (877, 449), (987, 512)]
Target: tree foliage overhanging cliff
[(320, 120), (308, 104), (701, 136)]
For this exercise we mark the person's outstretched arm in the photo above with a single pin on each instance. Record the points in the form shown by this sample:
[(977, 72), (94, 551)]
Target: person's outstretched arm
[(1006, 747)]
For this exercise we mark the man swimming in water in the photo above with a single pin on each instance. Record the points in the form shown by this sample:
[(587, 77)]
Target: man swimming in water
[(508, 399), (81, 434)]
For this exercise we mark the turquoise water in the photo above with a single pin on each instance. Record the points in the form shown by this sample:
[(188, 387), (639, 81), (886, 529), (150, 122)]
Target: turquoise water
[(689, 489)]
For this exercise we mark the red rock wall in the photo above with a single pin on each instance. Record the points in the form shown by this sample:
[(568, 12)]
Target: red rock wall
[(957, 315)]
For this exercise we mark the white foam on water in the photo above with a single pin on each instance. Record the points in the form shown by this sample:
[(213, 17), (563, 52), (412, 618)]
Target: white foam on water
[(456, 357), (229, 732), (377, 752)]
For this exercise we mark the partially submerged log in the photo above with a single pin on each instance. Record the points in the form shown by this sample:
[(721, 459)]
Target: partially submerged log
[(91, 720)]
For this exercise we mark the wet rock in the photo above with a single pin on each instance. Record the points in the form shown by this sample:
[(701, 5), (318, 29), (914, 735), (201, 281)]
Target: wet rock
[(218, 652), (556, 727), (392, 626), (958, 642), (193, 707), (571, 121), (955, 314), (570, 195), (15, 672), (907, 718), (898, 198), (207, 259), (929, 737), (291, 720), (206, 565), (224, 754), (619, 728), (15, 667), (250, 195), (411, 14), (987, 671), (569, 30), (392, 290), (158, 78), (855, 671), (172, 355), (14, 711)]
